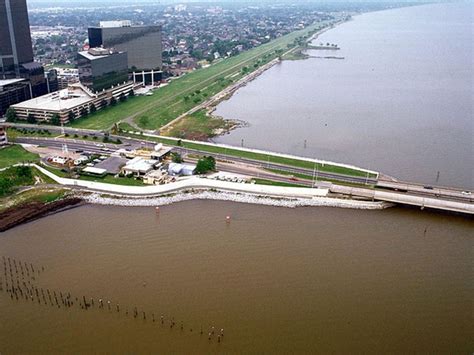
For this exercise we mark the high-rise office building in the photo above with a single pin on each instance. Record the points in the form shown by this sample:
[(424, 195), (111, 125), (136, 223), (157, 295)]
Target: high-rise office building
[(142, 43), (16, 58), (15, 38), (101, 69)]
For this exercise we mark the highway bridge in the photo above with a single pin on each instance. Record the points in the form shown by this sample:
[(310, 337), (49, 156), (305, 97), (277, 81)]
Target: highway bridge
[(407, 198)]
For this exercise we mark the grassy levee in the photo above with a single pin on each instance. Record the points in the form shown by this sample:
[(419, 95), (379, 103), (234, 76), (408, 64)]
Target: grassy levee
[(277, 183), (261, 157), (167, 103), (15, 154), (317, 178)]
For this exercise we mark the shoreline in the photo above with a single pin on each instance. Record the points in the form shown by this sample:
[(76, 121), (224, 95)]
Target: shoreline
[(215, 195), (28, 212), (211, 104)]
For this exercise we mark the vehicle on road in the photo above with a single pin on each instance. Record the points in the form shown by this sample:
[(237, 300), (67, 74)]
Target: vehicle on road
[(466, 193), (428, 187)]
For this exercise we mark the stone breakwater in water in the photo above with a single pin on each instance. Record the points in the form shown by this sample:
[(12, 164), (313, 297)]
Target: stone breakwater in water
[(232, 197)]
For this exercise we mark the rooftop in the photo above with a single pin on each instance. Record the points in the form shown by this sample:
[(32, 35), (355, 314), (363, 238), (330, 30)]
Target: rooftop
[(57, 101), (119, 23), (140, 165), (97, 53), (95, 171)]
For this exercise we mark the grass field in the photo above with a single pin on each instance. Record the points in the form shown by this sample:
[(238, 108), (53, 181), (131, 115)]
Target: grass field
[(14, 133), (198, 126), (37, 194), (277, 183), (167, 103), (15, 154)]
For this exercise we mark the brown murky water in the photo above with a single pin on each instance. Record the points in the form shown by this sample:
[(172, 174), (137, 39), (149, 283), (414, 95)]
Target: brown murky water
[(307, 280)]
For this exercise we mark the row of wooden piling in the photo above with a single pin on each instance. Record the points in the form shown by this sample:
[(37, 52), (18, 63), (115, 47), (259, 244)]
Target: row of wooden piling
[(20, 287), (21, 269)]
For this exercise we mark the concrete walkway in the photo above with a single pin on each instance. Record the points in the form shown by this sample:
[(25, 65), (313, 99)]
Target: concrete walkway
[(191, 183)]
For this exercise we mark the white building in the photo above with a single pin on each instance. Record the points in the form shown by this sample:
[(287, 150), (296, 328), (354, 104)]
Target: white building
[(175, 169), (139, 166)]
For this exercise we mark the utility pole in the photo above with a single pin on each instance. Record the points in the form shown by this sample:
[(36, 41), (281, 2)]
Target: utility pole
[(314, 176)]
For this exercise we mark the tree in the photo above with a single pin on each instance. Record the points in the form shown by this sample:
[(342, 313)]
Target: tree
[(205, 164), (71, 116), (176, 158), (55, 120), (31, 118), (11, 115), (179, 143), (92, 108)]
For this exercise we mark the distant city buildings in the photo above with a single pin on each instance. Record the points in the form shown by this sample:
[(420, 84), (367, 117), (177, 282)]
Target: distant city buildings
[(67, 76), (16, 58)]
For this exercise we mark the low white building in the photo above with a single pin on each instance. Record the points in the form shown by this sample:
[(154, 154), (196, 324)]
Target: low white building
[(82, 159), (139, 166), (76, 99), (155, 177), (176, 169)]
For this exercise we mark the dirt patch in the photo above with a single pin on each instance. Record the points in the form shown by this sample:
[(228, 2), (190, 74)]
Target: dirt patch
[(17, 215)]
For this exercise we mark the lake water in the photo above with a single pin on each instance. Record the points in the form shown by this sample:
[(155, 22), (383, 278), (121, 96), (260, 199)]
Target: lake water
[(277, 280), (306, 280), (401, 102)]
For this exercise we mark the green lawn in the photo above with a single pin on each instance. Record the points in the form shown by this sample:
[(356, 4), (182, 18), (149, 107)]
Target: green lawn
[(167, 103), (277, 183), (15, 177), (109, 179), (13, 133), (124, 126), (198, 126), (37, 194), (15, 154)]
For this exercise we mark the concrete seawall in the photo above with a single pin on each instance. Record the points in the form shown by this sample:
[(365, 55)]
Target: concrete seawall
[(207, 189)]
